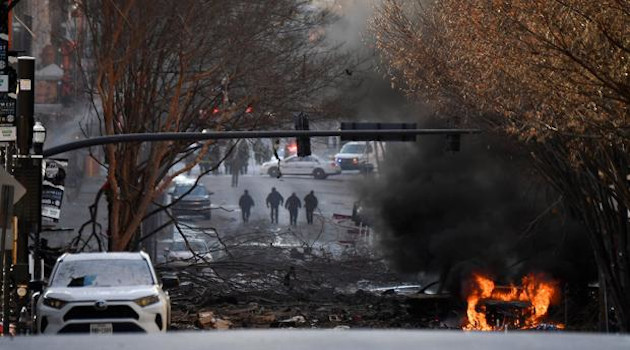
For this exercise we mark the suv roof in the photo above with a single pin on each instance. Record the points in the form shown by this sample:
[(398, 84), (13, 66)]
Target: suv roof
[(105, 256), (183, 180)]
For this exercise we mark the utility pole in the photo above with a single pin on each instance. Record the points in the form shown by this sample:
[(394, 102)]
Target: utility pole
[(28, 171), (8, 136)]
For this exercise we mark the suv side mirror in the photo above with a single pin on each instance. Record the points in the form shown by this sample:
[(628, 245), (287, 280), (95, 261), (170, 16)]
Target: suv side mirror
[(36, 285), (170, 282)]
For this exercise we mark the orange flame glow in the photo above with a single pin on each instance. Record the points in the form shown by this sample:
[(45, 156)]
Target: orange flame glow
[(533, 298)]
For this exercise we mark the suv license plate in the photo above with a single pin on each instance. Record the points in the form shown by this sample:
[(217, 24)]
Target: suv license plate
[(101, 328)]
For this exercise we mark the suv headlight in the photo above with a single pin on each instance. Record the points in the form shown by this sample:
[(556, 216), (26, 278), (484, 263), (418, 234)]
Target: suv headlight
[(145, 301), (54, 303)]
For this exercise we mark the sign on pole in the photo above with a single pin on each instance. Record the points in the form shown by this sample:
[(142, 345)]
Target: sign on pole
[(8, 78), (53, 187), (378, 126), (8, 179)]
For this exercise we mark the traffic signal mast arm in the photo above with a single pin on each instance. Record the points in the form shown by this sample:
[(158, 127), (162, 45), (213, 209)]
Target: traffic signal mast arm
[(220, 135)]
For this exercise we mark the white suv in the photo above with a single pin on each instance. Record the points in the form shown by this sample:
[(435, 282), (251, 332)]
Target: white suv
[(103, 293)]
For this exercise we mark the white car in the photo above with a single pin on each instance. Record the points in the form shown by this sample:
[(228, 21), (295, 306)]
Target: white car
[(103, 293), (179, 253), (294, 165)]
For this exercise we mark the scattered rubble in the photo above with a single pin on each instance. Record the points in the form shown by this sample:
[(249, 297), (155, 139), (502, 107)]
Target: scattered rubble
[(317, 293), (207, 320)]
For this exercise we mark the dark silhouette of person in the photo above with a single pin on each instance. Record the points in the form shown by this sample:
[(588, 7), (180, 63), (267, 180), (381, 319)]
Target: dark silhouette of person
[(246, 203), (293, 204), (274, 200), (243, 157), (235, 166), (310, 204)]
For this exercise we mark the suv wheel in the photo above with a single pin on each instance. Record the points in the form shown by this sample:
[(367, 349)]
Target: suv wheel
[(273, 172), (319, 174)]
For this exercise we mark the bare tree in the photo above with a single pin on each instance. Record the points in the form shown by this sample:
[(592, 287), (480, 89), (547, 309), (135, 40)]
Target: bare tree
[(552, 73), (168, 66)]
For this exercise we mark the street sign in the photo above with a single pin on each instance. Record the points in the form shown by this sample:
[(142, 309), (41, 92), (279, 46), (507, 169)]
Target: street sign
[(8, 102), (53, 186), (8, 179), (8, 133), (4, 83), (378, 126)]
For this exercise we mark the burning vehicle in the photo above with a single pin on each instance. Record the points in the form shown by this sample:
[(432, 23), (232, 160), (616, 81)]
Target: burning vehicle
[(493, 308)]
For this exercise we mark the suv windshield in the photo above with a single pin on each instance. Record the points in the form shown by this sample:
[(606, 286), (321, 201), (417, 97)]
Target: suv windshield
[(182, 189), (352, 148), (102, 273)]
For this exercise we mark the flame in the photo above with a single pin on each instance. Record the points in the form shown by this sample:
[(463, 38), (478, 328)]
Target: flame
[(536, 294)]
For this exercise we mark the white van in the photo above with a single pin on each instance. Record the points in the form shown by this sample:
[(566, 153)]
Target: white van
[(355, 156)]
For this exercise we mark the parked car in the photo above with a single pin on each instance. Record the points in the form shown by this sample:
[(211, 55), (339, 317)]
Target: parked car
[(355, 156), (102, 293), (180, 253), (294, 165), (191, 199)]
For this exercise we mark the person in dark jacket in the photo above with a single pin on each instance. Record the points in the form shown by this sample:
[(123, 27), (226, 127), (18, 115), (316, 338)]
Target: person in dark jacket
[(246, 203), (274, 200), (293, 204), (310, 204)]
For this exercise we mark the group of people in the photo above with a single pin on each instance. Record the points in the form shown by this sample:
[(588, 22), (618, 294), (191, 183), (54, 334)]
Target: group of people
[(235, 159), (275, 200)]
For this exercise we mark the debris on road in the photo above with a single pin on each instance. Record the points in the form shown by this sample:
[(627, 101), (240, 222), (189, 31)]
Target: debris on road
[(324, 293)]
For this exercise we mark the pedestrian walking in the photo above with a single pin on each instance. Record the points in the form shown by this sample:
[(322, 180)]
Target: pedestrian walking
[(228, 157), (243, 157), (310, 204), (293, 204), (274, 200), (235, 172), (246, 203)]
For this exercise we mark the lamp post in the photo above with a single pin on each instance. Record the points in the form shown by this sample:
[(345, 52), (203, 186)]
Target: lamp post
[(39, 137), (28, 171)]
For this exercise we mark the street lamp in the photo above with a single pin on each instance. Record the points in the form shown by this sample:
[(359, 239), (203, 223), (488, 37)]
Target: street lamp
[(39, 136)]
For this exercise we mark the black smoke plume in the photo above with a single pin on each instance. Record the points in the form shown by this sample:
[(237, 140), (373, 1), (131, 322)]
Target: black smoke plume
[(481, 209)]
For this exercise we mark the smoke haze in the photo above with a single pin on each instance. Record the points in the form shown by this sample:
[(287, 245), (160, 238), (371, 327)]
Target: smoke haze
[(482, 209)]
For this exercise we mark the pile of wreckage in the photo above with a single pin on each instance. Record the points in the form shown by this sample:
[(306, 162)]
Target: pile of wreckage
[(312, 293)]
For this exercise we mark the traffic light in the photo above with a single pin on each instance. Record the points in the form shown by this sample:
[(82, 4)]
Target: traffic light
[(453, 142), (303, 142), (4, 15)]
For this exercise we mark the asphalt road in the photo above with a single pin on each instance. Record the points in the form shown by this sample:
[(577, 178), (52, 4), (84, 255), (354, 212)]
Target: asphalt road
[(335, 195), (325, 339)]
